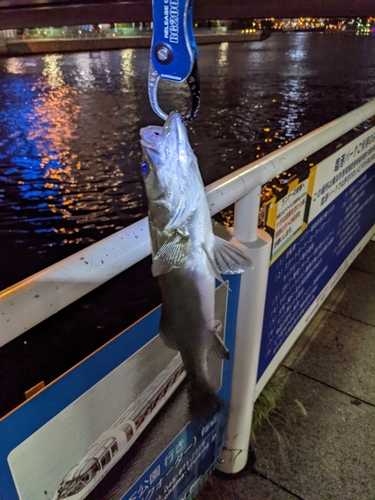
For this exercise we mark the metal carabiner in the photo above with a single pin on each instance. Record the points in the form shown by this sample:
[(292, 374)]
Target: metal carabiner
[(193, 83), (174, 52)]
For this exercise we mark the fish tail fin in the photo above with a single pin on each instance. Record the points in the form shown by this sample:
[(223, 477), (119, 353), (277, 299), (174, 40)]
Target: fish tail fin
[(203, 402)]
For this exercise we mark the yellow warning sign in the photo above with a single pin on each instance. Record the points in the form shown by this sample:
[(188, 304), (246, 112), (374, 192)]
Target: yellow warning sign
[(286, 216)]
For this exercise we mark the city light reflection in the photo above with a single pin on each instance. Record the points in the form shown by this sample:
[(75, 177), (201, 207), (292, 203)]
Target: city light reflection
[(127, 66), (47, 119), (82, 70), (294, 91), (222, 59), (52, 70), (14, 65)]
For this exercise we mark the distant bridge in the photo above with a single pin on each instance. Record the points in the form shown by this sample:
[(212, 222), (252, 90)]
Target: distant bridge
[(45, 13)]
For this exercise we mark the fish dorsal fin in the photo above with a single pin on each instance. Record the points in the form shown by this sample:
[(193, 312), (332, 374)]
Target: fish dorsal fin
[(171, 254), (218, 348), (229, 258)]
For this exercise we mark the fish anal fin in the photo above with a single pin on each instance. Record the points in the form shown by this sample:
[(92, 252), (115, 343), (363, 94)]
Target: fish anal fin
[(229, 258), (218, 348), (171, 254)]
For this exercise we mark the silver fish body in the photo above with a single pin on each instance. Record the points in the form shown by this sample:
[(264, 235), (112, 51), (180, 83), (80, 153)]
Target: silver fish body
[(187, 255)]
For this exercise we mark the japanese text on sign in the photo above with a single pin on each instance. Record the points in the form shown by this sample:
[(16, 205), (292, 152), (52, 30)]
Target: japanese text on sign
[(289, 218)]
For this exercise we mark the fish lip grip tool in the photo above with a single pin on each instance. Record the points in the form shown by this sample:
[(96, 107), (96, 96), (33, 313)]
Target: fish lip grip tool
[(174, 52)]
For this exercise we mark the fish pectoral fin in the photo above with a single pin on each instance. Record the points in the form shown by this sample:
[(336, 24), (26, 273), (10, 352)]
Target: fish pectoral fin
[(218, 349), (229, 258), (171, 254), (214, 267)]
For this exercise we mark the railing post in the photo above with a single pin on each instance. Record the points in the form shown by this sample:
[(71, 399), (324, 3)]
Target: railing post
[(246, 216), (248, 333)]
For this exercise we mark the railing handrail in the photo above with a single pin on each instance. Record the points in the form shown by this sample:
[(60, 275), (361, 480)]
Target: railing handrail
[(234, 186), (34, 299)]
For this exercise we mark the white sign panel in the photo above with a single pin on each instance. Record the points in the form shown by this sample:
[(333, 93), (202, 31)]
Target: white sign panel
[(290, 211), (337, 172)]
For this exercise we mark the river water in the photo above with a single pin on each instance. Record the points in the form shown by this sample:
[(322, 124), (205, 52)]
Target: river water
[(70, 156), (69, 130)]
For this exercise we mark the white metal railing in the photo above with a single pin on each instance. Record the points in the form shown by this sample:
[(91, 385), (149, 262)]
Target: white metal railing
[(34, 299)]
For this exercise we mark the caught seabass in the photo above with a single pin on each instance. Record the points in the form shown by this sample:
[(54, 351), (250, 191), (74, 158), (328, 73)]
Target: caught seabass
[(187, 255)]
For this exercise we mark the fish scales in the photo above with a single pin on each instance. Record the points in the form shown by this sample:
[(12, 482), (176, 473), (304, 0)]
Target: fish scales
[(187, 255)]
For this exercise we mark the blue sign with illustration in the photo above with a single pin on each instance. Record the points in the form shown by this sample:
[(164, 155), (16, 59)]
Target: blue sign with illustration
[(182, 468), (117, 425), (340, 211)]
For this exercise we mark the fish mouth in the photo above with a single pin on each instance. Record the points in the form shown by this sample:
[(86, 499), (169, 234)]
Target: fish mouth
[(150, 146), (174, 125), (151, 137), (175, 117), (156, 140)]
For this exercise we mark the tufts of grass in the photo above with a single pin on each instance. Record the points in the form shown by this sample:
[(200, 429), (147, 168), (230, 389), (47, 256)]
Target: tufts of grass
[(267, 402), (267, 408)]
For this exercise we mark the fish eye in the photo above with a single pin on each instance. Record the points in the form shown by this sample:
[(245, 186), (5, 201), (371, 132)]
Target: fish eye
[(145, 169)]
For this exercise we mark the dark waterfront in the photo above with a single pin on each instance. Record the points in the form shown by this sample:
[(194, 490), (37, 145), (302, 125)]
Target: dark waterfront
[(69, 136), (70, 155)]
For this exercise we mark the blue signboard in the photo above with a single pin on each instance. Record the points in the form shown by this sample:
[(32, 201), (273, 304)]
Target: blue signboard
[(185, 464), (117, 425), (338, 211)]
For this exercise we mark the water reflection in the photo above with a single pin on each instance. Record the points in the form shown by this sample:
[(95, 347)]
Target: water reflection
[(82, 70), (52, 70), (69, 175), (127, 67), (294, 91), (223, 54), (297, 53), (14, 65), (69, 125), (52, 127)]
